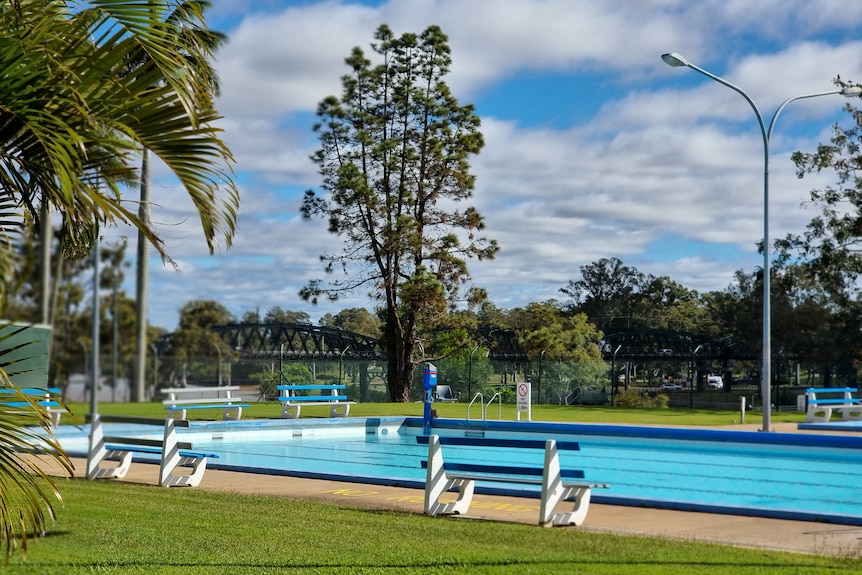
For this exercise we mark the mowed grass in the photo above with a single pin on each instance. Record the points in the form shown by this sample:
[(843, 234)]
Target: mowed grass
[(116, 527), (556, 413)]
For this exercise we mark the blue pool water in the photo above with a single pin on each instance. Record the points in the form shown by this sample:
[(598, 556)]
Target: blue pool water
[(794, 476)]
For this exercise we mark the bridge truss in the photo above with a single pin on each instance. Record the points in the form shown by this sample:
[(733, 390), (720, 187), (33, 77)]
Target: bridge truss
[(297, 341)]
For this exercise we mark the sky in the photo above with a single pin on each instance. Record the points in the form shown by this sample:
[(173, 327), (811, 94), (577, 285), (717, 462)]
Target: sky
[(595, 148)]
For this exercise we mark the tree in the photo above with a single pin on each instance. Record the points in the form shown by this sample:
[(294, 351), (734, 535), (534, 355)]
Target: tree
[(355, 319), (75, 115), (809, 328), (666, 304), (193, 339), (251, 317), (831, 247), (543, 328), (106, 80), (491, 315), (738, 310), (829, 252), (465, 374), (278, 315), (607, 292), (564, 348), (394, 157)]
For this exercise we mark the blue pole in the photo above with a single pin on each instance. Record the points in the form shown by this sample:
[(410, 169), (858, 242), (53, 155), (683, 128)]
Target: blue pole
[(429, 380)]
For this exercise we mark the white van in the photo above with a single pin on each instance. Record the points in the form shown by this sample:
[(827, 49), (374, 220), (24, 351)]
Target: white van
[(714, 382)]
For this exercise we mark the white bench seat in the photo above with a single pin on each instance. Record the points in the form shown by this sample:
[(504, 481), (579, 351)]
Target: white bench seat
[(46, 399), (821, 402), (173, 455), (178, 404), (293, 396), (558, 485)]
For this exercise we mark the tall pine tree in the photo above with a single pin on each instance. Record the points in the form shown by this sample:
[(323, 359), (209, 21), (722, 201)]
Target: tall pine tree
[(394, 158)]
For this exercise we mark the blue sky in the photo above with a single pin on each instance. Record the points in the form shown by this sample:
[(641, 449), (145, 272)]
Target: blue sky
[(594, 146)]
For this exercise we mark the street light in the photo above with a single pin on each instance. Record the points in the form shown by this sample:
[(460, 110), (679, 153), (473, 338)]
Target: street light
[(470, 373), (341, 364), (614, 373), (218, 371), (539, 389), (676, 60), (155, 368), (94, 378), (85, 351), (694, 376)]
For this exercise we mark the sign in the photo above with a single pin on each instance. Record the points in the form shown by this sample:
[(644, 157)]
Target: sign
[(523, 391), (24, 349), (429, 376)]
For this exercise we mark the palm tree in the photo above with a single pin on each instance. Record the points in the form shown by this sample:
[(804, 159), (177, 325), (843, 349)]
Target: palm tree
[(75, 111)]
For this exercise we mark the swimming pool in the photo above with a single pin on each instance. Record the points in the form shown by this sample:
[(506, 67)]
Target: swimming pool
[(783, 475)]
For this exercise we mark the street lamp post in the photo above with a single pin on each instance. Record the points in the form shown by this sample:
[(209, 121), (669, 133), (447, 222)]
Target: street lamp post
[(539, 388), (341, 364), (694, 376), (470, 373), (218, 370), (614, 373), (676, 60), (85, 352), (96, 374), (155, 370)]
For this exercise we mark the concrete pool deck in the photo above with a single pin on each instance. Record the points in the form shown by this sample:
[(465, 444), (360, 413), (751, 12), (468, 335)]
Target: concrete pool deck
[(752, 532)]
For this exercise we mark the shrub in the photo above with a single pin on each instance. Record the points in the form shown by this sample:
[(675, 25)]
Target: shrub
[(291, 373), (639, 399)]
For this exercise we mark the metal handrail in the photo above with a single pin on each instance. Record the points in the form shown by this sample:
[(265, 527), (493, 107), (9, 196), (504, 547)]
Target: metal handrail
[(499, 402), (481, 402)]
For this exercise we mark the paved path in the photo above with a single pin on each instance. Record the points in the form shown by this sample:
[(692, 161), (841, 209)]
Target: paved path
[(797, 536)]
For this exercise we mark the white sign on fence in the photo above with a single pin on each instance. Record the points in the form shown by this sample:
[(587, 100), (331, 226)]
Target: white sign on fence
[(524, 391)]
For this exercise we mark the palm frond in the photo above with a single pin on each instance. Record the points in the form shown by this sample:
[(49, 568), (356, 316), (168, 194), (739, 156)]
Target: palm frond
[(27, 443), (74, 115)]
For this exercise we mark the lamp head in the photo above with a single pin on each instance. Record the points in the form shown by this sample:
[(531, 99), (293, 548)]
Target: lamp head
[(851, 91), (674, 59)]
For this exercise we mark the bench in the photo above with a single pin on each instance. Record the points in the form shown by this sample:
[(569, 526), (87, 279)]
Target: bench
[(179, 401), (324, 394), (46, 398), (173, 454), (822, 401), (557, 484)]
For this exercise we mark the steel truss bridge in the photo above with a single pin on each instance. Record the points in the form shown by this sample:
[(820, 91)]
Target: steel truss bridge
[(297, 341), (305, 341), (659, 344)]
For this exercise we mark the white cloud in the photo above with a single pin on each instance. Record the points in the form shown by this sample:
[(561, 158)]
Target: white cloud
[(668, 153)]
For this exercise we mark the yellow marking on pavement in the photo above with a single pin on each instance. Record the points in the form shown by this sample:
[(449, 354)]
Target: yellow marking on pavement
[(518, 508), (408, 498), (352, 492), (499, 506)]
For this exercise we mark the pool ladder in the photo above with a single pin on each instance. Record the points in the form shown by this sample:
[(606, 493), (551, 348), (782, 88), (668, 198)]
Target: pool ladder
[(485, 407)]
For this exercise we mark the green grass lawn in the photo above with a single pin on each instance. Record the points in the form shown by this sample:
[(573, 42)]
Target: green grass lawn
[(561, 413), (116, 527)]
